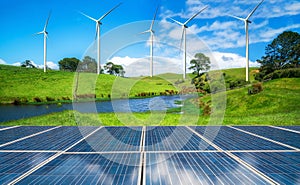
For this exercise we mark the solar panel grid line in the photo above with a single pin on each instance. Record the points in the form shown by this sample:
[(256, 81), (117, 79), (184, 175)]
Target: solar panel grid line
[(6, 128), (195, 173), (262, 137), (30, 151), (48, 160), (286, 129), (26, 137), (104, 152), (202, 170), (141, 177), (265, 177)]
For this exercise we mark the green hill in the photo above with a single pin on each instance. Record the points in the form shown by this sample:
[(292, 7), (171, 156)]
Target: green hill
[(32, 85)]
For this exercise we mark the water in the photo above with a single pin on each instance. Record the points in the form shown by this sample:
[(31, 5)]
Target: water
[(161, 103)]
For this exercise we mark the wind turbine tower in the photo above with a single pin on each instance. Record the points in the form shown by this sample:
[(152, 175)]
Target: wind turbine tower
[(247, 21), (183, 37), (98, 23), (151, 31), (45, 33)]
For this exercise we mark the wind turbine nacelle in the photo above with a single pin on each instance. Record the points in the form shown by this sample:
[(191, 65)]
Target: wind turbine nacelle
[(249, 21), (185, 26)]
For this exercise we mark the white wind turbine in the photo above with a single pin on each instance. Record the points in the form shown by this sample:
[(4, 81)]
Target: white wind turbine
[(247, 21), (183, 37), (45, 41), (151, 31), (98, 23)]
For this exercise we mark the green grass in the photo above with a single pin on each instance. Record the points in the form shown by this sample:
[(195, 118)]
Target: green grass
[(26, 84)]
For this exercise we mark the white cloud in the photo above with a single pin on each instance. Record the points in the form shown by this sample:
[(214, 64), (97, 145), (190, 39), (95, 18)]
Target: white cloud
[(52, 65), (2, 61), (221, 60), (17, 64)]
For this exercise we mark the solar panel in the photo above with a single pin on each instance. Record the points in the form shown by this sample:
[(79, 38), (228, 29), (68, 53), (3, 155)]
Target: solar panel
[(283, 167), (173, 138), (88, 169), (19, 132), (297, 128), (193, 168), (147, 155), (15, 164), (111, 139), (231, 139), (57, 139), (282, 136)]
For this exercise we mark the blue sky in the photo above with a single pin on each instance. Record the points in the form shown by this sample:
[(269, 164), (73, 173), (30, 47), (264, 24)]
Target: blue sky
[(71, 34)]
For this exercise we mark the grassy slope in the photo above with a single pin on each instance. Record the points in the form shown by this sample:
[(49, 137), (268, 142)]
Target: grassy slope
[(278, 104), (30, 83)]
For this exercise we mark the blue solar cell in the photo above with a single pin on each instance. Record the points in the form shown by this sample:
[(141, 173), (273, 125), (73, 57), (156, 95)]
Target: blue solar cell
[(231, 139), (19, 132), (13, 165), (196, 168), (88, 169), (282, 167), (111, 139), (173, 139), (286, 137), (297, 128), (57, 139)]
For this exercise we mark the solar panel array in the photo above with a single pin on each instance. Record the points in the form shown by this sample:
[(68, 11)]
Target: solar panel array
[(150, 155)]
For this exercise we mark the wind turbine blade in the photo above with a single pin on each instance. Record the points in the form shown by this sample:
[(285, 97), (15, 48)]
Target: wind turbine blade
[(38, 33), (145, 32), (153, 18), (254, 10), (182, 34), (195, 15), (46, 24), (237, 17), (88, 16), (176, 21), (102, 17)]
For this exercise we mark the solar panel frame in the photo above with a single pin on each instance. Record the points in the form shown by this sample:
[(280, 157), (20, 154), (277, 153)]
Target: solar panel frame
[(57, 139), (230, 139), (282, 136)]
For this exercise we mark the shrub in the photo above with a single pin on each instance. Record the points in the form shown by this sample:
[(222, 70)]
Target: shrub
[(284, 73), (16, 101), (256, 88), (50, 99)]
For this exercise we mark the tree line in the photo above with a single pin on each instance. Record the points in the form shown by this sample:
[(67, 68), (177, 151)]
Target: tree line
[(89, 64)]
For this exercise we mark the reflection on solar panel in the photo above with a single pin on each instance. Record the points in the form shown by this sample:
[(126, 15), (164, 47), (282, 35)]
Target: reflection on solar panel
[(230, 139), (296, 128), (173, 139), (192, 168), (111, 139), (283, 167), (88, 169), (149, 155), (286, 137)]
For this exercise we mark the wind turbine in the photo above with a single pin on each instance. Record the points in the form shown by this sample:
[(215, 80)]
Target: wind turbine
[(247, 21), (98, 23), (183, 37), (45, 41), (151, 31)]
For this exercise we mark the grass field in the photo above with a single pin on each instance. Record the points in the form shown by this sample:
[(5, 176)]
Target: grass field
[(28, 85), (277, 104)]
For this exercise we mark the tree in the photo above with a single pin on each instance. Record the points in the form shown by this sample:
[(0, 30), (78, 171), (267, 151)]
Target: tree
[(283, 52), (88, 64), (69, 64), (114, 69), (200, 63), (27, 64)]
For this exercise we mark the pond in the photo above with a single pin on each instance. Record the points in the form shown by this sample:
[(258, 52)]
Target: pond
[(160, 103)]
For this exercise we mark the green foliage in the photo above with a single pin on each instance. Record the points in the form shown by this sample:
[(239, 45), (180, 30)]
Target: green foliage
[(200, 63), (284, 73), (68, 64), (256, 88), (114, 69), (88, 64), (282, 53), (28, 64)]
